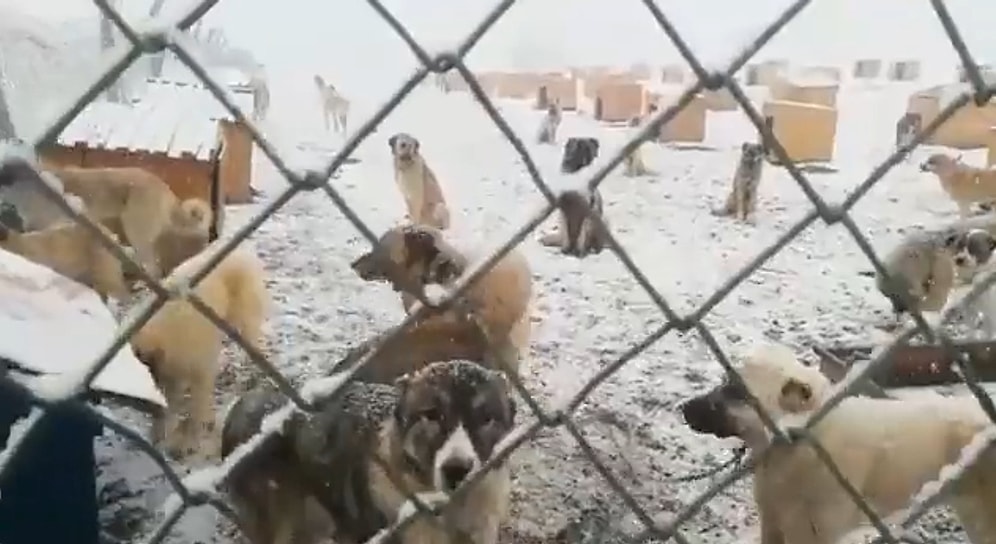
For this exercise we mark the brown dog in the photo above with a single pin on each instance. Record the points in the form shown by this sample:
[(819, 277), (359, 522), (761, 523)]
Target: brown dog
[(413, 256), (965, 184), (418, 184), (182, 348), (72, 251)]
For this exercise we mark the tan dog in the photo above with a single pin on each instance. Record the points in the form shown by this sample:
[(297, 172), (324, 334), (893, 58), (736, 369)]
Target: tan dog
[(633, 164), (135, 204), (963, 183), (501, 297), (887, 448), (417, 182), (430, 429), (741, 203), (182, 348), (72, 251), (334, 105)]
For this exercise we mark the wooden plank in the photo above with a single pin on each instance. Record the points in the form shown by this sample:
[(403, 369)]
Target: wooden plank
[(923, 365)]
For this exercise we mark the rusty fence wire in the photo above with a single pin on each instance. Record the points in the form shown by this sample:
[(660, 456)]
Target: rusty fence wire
[(207, 486)]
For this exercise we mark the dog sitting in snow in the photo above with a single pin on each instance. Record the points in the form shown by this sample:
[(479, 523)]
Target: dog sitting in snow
[(430, 431), (908, 126), (742, 200), (577, 234), (182, 348), (887, 448), (550, 124), (964, 184), (417, 182), (414, 256), (333, 104), (973, 260), (633, 164)]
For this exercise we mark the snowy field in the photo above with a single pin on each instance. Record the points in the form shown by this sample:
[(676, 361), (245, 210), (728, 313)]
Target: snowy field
[(587, 312)]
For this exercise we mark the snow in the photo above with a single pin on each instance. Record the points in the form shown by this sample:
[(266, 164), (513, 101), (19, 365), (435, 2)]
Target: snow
[(587, 312), (57, 327)]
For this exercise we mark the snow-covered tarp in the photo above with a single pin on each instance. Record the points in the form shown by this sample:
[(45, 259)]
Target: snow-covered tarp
[(55, 326)]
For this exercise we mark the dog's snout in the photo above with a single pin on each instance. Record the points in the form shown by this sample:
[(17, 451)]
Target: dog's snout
[(959, 260), (700, 413), (454, 472)]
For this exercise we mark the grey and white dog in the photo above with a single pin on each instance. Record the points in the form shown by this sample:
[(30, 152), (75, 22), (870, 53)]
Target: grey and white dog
[(577, 234)]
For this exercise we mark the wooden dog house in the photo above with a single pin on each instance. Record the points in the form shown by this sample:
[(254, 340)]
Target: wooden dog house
[(673, 73), (620, 102), (904, 70), (591, 85), (719, 100), (640, 72), (813, 91), (991, 148), (689, 125), (519, 85), (564, 89), (968, 128), (765, 73), (806, 131), (985, 69), (829, 74), (867, 69), (178, 131)]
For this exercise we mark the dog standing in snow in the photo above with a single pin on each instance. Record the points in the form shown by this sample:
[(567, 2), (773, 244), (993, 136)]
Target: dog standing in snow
[(633, 164), (336, 474), (260, 96), (963, 183), (886, 448), (550, 124), (576, 233), (333, 104), (421, 191), (742, 200)]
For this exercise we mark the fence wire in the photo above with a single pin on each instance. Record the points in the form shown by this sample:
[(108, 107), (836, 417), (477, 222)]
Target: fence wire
[(207, 486)]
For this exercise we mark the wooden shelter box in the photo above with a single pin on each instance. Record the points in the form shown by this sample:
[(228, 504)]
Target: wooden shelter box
[(689, 125), (719, 100), (867, 69), (968, 128), (904, 70), (620, 102), (991, 147), (765, 73), (593, 84), (561, 88), (787, 91), (517, 85), (806, 131), (673, 73)]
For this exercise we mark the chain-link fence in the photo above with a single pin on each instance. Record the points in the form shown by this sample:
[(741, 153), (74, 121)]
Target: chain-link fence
[(207, 486)]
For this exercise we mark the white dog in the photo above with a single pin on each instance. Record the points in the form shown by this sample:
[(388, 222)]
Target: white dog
[(334, 105), (886, 448), (972, 254)]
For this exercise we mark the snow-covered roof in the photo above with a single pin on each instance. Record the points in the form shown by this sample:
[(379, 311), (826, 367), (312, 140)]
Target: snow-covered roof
[(171, 117), (52, 325)]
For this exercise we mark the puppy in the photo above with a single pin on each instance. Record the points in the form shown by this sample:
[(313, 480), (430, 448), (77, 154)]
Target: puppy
[(922, 269), (417, 182), (742, 200), (973, 260), (72, 251), (133, 203), (182, 348), (431, 430), (908, 126), (888, 457), (411, 257), (633, 164), (334, 105), (577, 234), (963, 183), (550, 124)]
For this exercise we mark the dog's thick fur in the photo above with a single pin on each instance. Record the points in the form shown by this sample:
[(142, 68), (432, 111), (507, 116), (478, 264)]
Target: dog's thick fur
[(72, 251), (550, 124), (963, 183), (921, 267), (418, 184), (182, 348), (973, 260), (741, 203), (887, 448), (633, 164), (576, 233), (414, 256), (334, 105), (135, 204), (430, 430), (907, 127)]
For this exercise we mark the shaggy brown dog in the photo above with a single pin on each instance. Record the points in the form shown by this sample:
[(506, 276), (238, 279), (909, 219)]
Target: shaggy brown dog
[(182, 347)]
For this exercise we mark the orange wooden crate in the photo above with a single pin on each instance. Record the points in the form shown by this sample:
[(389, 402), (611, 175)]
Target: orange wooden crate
[(619, 102)]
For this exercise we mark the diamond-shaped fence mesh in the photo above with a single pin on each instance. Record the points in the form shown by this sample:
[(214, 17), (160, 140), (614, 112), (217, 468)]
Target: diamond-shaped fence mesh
[(207, 486)]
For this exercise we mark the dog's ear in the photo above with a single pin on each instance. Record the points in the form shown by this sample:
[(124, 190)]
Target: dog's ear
[(391, 141), (796, 396), (951, 241), (593, 144), (416, 145)]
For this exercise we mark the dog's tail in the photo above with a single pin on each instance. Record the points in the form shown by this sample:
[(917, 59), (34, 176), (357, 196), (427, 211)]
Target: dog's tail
[(192, 215), (248, 299)]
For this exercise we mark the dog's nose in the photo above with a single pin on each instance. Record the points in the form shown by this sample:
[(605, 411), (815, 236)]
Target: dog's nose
[(960, 261), (454, 472)]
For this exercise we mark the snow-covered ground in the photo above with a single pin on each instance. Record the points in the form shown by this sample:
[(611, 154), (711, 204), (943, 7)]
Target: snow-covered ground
[(587, 312)]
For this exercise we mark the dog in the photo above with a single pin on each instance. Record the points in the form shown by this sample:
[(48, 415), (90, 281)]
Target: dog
[(431, 430), (633, 163), (334, 105), (37, 210), (922, 272), (576, 233), (908, 126), (742, 200), (963, 183), (182, 348), (973, 259), (418, 184), (550, 124), (414, 256), (133, 203), (888, 457), (260, 96), (70, 250)]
